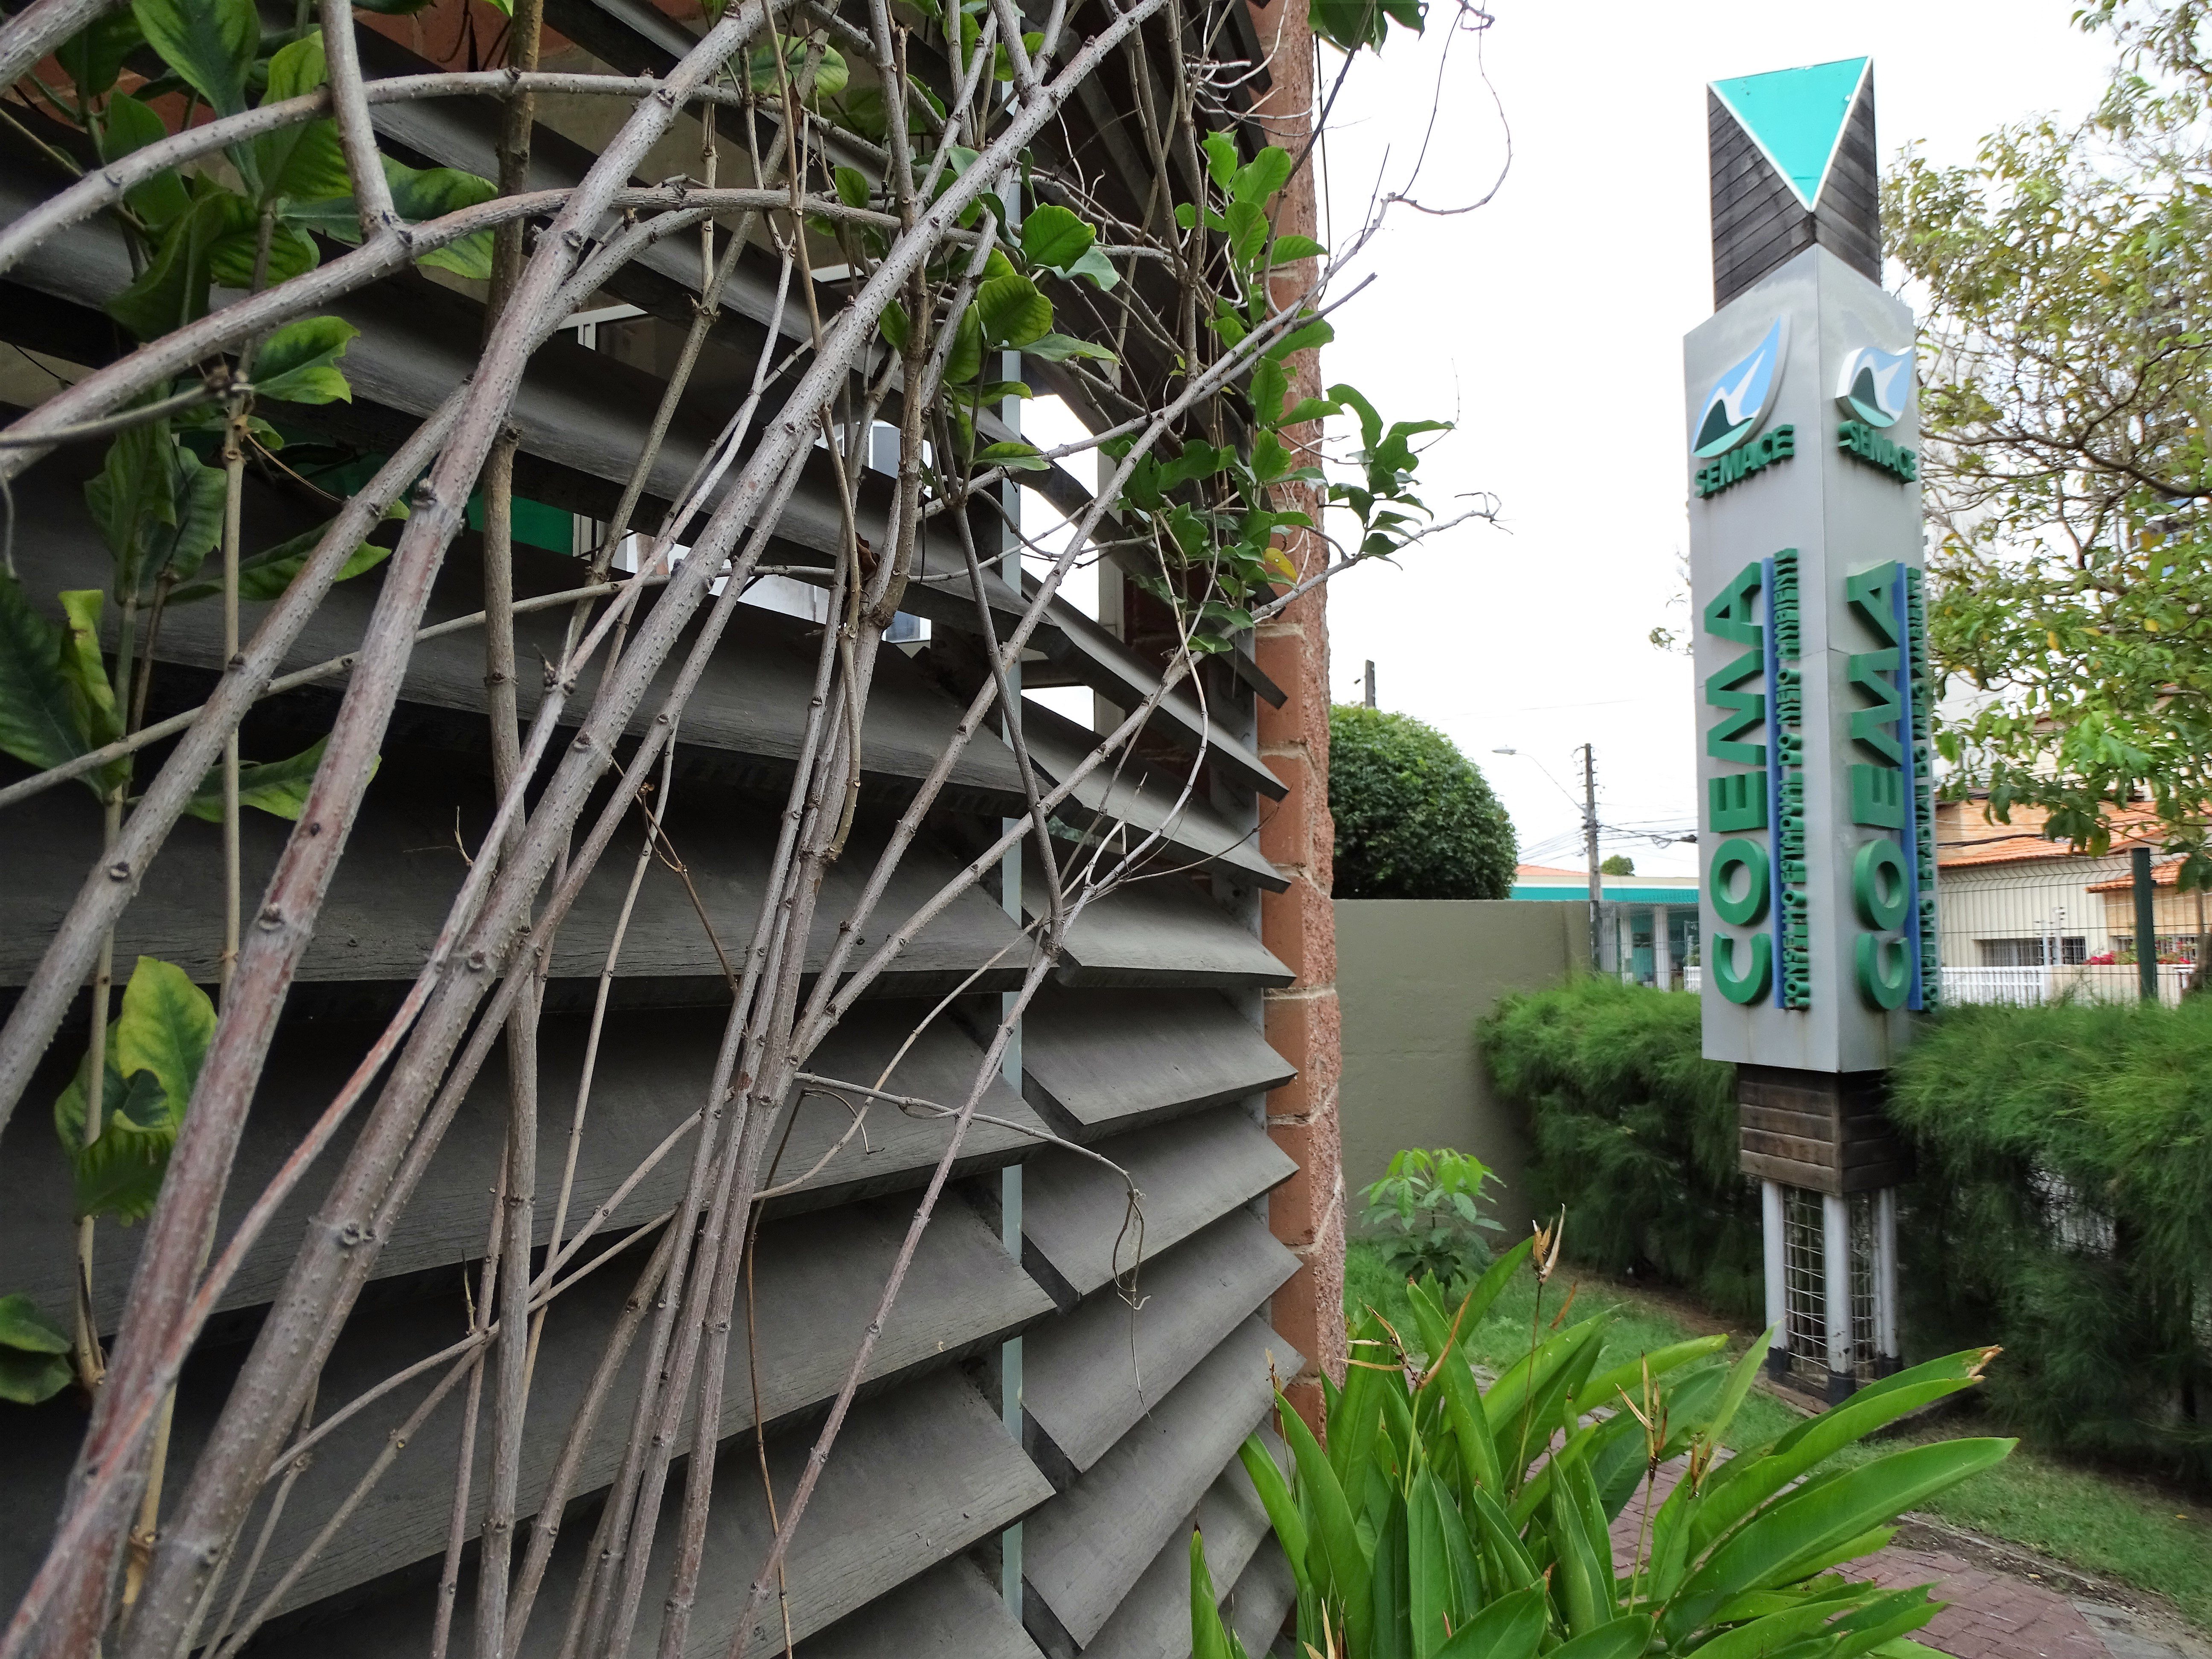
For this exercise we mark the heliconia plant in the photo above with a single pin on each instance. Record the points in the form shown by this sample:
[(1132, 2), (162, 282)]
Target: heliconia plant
[(1447, 1521)]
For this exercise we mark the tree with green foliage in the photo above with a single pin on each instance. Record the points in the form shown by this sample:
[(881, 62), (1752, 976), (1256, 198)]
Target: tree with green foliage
[(1618, 864), (2066, 352), (1415, 818)]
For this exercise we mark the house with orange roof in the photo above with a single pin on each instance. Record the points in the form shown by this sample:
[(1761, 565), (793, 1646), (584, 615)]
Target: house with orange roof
[(2026, 919)]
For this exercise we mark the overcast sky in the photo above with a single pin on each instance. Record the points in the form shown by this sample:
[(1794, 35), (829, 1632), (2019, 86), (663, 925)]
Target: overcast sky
[(1549, 325)]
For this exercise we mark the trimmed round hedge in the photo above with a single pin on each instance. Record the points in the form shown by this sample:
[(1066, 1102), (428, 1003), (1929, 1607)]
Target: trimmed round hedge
[(1414, 817)]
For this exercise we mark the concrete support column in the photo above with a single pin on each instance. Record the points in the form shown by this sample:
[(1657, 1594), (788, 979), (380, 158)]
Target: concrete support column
[(1835, 1272), (1662, 950), (1776, 1243), (1888, 1357)]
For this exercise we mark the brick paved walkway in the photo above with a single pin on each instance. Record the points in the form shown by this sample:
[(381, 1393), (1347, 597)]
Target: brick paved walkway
[(1992, 1615)]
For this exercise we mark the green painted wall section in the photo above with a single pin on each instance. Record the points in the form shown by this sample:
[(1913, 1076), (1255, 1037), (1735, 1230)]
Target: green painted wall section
[(1412, 976)]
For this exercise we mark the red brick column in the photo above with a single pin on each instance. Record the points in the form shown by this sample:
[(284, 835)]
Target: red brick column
[(1307, 1211)]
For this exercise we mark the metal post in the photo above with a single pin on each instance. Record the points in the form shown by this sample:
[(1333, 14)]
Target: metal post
[(2145, 926), (1836, 1291), (1590, 846), (1371, 683), (1770, 1233)]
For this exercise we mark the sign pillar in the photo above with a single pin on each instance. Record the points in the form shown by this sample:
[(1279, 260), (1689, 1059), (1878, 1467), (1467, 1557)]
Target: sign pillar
[(1816, 841)]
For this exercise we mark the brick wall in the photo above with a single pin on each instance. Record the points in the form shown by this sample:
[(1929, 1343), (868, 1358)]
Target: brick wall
[(1308, 1210)]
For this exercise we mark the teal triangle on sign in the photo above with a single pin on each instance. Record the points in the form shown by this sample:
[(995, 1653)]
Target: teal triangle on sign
[(1797, 117)]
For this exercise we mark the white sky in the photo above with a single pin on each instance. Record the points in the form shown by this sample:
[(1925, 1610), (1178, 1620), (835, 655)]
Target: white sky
[(1549, 324)]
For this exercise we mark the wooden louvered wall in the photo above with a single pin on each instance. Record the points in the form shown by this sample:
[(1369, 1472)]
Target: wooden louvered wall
[(1173, 1040)]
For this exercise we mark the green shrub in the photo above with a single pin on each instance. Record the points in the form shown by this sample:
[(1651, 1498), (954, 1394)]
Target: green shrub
[(2062, 1207), (1427, 1209), (1414, 817), (1634, 1133), (1434, 1518)]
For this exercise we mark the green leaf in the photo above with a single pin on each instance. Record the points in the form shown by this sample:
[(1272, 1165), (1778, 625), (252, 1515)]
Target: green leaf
[(173, 289), (39, 722), (129, 127), (852, 186), (1014, 457), (1054, 238), (965, 360), (1013, 313), (1624, 1639), (295, 364), (1391, 1636), (1335, 1557), (423, 193), (1443, 1587), (1580, 1579), (1247, 230), (1305, 338), (1271, 384), (1815, 1518), (167, 1025), (210, 43), (177, 547), (29, 1379), (118, 1173), (1209, 1639), (1058, 348), (1289, 1527), (1261, 178), (92, 58), (1508, 1628), (27, 1330), (302, 163), (1094, 265), (277, 787), (264, 576), (1599, 1392), (892, 326), (92, 698), (1288, 249), (831, 75), (1220, 157)]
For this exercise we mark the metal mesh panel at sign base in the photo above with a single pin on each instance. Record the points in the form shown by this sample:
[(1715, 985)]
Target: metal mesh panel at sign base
[(1804, 1256), (1805, 1284)]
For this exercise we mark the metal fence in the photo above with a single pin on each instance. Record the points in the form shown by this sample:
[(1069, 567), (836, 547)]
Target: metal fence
[(2061, 929)]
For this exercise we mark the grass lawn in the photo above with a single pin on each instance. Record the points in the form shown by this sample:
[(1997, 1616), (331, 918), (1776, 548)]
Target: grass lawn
[(2133, 1532)]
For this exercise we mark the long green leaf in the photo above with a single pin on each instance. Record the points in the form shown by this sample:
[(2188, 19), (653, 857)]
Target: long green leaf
[(1740, 1485), (1501, 1542), (1761, 1637), (1800, 1526), (1624, 1639), (1510, 1627), (1523, 1432), (1443, 1588), (1583, 1602), (1208, 1638), (1390, 1636), (1282, 1508), (1602, 1390), (1340, 1566), (1502, 1401), (1358, 1416)]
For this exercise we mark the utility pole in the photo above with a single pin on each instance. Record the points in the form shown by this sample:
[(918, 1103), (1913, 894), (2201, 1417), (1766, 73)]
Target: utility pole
[(1590, 845), (1371, 683)]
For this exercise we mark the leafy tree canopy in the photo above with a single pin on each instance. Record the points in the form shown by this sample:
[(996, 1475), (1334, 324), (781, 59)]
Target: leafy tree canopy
[(1618, 864), (1414, 817), (2067, 353)]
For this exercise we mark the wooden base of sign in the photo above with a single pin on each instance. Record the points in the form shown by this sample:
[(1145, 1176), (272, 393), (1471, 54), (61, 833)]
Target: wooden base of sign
[(1823, 1132)]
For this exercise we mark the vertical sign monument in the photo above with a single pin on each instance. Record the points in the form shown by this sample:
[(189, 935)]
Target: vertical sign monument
[(1816, 841)]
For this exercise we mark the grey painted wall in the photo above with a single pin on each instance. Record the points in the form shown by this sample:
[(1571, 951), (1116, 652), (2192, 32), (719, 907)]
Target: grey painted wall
[(1412, 976)]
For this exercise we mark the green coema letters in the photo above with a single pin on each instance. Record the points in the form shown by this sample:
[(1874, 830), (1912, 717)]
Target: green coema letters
[(1889, 790)]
